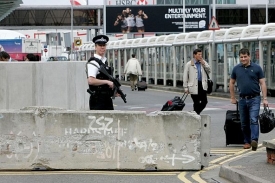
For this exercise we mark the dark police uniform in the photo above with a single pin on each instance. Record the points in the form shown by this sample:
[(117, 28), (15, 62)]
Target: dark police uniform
[(100, 98)]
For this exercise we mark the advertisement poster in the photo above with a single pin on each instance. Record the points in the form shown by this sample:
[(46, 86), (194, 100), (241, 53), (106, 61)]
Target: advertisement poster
[(11, 45), (157, 19), (18, 48)]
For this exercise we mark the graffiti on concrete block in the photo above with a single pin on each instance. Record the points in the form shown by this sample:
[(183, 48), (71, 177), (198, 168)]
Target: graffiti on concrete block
[(102, 126), (145, 145), (184, 159), (19, 146), (170, 159), (150, 159), (99, 138)]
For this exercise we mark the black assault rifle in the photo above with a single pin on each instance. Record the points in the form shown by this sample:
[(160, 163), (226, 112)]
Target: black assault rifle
[(116, 83), (111, 78)]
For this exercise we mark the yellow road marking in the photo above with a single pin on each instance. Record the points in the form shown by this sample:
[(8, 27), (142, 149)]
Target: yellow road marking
[(239, 154), (219, 159), (196, 177), (181, 176), (224, 151), (211, 167), (89, 173)]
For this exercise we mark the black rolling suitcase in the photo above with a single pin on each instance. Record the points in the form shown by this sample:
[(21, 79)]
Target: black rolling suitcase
[(232, 127), (141, 85), (175, 104)]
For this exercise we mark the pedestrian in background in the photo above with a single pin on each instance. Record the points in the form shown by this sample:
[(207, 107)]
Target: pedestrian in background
[(133, 70), (30, 57), (4, 56), (195, 80), (249, 77)]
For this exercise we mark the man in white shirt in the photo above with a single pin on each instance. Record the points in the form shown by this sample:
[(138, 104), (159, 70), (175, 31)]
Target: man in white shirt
[(133, 70)]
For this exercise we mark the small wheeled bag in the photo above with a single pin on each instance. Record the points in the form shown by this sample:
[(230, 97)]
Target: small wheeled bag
[(175, 104), (141, 85)]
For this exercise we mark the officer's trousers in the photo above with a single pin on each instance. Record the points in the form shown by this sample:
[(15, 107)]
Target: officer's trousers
[(101, 102)]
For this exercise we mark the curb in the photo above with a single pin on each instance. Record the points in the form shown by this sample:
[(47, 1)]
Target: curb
[(236, 175)]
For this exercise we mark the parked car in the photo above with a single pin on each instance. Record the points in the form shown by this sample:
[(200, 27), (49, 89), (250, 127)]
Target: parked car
[(57, 58)]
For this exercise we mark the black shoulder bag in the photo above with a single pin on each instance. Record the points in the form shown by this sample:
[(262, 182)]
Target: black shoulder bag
[(209, 83), (266, 120)]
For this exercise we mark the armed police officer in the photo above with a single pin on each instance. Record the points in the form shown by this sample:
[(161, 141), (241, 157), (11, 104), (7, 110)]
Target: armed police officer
[(100, 87)]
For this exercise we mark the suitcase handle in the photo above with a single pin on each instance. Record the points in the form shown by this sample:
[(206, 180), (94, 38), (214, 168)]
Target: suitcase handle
[(184, 94), (237, 104)]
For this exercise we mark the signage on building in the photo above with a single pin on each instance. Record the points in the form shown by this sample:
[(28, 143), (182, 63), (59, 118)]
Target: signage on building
[(130, 2), (158, 19)]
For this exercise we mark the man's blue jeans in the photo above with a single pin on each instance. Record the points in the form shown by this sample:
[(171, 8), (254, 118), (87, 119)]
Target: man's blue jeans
[(249, 114)]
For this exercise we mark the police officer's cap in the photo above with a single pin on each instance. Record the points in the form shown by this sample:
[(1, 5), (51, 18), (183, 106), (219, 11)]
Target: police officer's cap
[(100, 39)]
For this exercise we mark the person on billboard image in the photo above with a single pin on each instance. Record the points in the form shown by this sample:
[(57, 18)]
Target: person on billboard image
[(139, 20), (130, 19), (120, 20), (1, 48)]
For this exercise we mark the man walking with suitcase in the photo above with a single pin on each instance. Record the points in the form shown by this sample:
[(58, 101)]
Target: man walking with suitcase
[(195, 80), (249, 77), (133, 69)]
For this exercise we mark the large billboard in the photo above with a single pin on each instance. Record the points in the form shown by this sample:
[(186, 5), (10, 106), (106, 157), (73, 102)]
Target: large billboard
[(157, 19)]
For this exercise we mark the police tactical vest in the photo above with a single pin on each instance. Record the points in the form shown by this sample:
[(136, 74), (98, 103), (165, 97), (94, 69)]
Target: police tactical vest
[(100, 76)]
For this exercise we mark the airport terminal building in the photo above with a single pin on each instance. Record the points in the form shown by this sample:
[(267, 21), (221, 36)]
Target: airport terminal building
[(229, 13)]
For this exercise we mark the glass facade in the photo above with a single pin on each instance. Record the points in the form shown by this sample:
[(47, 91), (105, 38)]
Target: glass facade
[(240, 16)]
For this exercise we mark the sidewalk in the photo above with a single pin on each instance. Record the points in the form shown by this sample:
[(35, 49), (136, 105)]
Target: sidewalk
[(251, 167)]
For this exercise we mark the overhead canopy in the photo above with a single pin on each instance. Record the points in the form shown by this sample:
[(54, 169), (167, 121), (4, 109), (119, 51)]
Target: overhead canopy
[(7, 6)]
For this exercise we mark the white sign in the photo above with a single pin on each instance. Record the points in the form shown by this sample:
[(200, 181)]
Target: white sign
[(214, 24), (32, 46)]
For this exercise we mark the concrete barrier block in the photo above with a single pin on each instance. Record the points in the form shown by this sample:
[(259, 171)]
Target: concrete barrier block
[(60, 84), (269, 144), (53, 138)]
